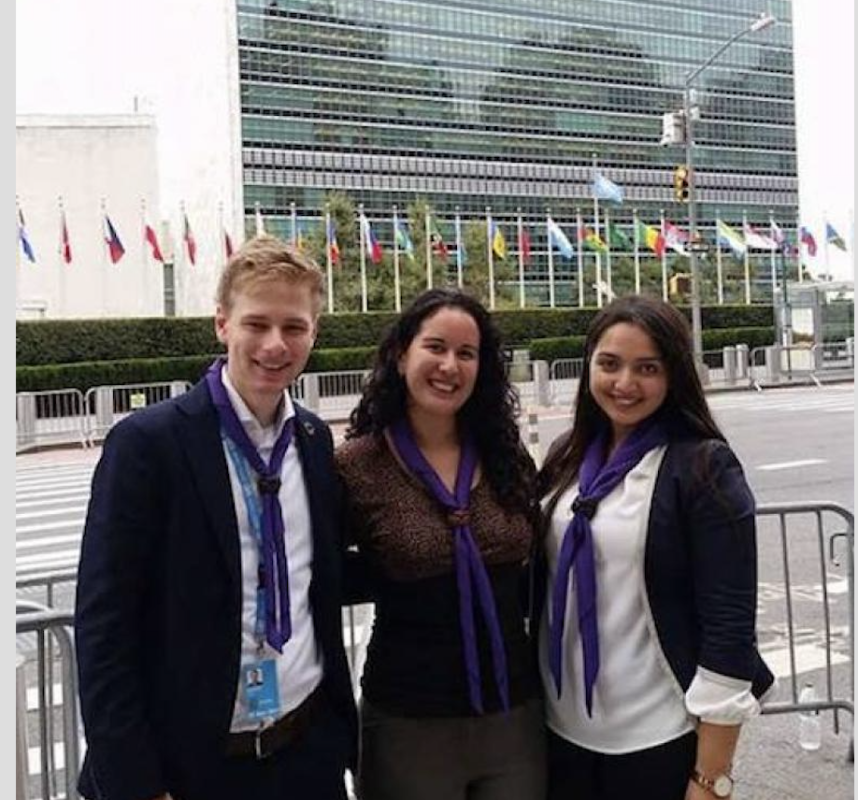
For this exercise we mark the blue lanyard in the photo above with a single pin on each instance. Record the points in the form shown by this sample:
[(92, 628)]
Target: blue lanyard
[(254, 517)]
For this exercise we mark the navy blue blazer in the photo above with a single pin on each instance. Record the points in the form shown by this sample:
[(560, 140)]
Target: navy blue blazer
[(700, 565), (158, 610)]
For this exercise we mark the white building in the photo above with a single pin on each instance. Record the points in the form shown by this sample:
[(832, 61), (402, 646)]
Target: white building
[(183, 155), (92, 165)]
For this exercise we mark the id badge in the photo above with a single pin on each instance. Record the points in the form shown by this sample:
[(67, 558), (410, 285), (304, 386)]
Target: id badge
[(261, 693)]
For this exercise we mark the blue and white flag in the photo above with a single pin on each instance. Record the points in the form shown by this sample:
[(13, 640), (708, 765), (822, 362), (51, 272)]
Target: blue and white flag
[(24, 239), (604, 189), (558, 239)]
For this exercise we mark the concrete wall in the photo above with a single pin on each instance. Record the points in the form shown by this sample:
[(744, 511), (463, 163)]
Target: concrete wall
[(86, 161), (188, 92)]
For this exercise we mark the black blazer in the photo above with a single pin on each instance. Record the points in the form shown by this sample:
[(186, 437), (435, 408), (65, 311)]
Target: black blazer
[(158, 611), (700, 566)]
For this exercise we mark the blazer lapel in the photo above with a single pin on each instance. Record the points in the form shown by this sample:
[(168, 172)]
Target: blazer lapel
[(201, 442), (310, 446)]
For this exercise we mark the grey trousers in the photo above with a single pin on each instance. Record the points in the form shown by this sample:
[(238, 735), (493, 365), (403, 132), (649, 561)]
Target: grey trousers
[(494, 757)]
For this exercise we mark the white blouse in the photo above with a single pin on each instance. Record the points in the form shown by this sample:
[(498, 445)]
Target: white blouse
[(637, 701)]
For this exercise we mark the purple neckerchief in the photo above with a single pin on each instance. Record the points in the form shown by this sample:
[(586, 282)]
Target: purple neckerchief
[(273, 531), (596, 480), (469, 565)]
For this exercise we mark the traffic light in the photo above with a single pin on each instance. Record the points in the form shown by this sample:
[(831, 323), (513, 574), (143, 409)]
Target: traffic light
[(680, 184)]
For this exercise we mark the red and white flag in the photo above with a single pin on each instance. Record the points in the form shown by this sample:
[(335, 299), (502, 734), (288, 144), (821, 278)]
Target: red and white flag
[(65, 241), (190, 242), (152, 239)]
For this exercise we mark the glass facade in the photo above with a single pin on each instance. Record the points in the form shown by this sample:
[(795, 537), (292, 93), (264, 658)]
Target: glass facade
[(509, 103)]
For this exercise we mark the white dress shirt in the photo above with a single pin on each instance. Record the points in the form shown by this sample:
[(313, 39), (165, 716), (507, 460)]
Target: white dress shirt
[(299, 666)]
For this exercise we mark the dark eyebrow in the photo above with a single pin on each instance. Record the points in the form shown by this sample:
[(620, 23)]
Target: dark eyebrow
[(646, 359)]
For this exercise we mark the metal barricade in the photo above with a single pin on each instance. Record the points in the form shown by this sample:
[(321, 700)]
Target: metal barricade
[(106, 405), (338, 392), (62, 757), (811, 535), (563, 376), (49, 418)]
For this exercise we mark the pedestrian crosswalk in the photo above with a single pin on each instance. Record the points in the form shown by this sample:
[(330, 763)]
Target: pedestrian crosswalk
[(833, 400), (50, 508)]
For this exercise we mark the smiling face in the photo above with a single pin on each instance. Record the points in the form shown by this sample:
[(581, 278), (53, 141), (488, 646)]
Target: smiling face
[(628, 377), (441, 364), (268, 329)]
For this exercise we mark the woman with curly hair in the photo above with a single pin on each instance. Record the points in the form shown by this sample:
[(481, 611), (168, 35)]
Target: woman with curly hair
[(440, 493)]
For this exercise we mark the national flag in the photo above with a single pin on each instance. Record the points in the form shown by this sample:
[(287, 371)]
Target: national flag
[(651, 237), (373, 248), (675, 238), (779, 237), (833, 237), (498, 241), (591, 239), (227, 244), (111, 239), (403, 240), (558, 239), (65, 241), (806, 238), (190, 242), (333, 246), (617, 239), (436, 240), (24, 239), (756, 240), (604, 189), (524, 244), (730, 236), (150, 237)]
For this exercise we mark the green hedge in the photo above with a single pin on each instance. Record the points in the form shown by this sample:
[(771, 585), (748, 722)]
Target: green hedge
[(71, 341), (573, 346), (86, 374)]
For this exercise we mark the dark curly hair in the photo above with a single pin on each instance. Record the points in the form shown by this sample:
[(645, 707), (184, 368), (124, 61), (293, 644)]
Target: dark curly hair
[(489, 414)]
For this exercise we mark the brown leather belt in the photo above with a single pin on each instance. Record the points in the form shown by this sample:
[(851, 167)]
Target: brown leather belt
[(266, 741)]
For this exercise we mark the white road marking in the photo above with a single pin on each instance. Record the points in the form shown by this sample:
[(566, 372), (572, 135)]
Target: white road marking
[(805, 462), (808, 657)]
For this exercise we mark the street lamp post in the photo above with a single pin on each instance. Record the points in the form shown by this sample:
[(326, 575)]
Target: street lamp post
[(688, 111)]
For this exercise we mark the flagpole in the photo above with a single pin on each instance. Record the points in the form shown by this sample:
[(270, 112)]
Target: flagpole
[(260, 223), (491, 258), (719, 263), (364, 305), (800, 247), (397, 289), (428, 251), (608, 275), (459, 273), (329, 261), (598, 234), (825, 234), (772, 261), (551, 297), (61, 263), (637, 251), (664, 295), (520, 231), (747, 261), (580, 239), (293, 215)]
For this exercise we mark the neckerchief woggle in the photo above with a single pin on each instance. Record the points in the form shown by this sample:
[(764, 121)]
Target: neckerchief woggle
[(273, 569), (596, 480), (470, 571)]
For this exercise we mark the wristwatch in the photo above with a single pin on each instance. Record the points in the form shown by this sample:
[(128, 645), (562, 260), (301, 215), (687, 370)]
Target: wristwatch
[(720, 785)]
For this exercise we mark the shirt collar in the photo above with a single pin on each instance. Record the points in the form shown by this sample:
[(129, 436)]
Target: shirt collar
[(255, 430)]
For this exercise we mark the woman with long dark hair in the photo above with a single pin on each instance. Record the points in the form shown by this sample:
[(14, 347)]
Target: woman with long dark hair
[(648, 575), (441, 498)]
